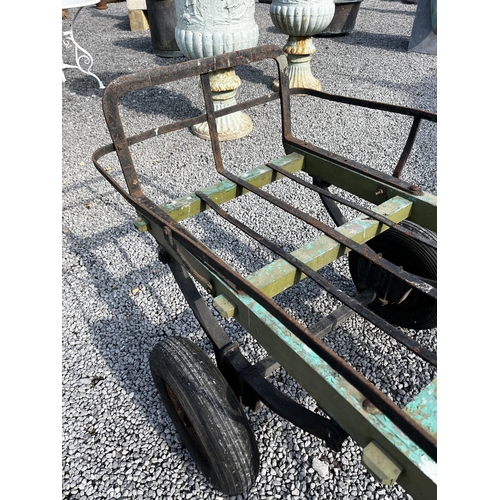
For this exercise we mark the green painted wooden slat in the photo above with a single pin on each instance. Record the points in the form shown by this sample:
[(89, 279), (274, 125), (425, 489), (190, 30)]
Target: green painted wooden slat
[(280, 275), (189, 205)]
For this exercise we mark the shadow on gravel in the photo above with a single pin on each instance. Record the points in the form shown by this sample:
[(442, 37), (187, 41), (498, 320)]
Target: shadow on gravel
[(255, 75), (400, 12), (397, 43), (83, 85), (143, 44), (158, 101), (126, 338), (140, 44), (162, 101), (123, 23), (273, 29)]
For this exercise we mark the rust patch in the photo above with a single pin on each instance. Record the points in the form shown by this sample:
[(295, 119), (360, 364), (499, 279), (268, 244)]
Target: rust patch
[(301, 45)]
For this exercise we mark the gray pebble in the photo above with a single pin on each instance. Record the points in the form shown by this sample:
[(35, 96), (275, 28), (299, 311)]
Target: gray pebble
[(320, 467)]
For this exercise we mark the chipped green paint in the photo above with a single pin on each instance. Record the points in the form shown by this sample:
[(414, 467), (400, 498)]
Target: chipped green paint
[(423, 408), (280, 275), (224, 307), (141, 224), (340, 399), (385, 469)]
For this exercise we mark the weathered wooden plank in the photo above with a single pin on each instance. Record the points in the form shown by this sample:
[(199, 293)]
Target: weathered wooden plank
[(189, 205), (280, 275), (138, 20)]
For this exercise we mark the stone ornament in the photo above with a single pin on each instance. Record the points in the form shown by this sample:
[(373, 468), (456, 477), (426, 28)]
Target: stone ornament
[(208, 28), (300, 20)]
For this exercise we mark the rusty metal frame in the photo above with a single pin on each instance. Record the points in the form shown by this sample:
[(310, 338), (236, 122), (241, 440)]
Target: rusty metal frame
[(181, 242), (417, 114)]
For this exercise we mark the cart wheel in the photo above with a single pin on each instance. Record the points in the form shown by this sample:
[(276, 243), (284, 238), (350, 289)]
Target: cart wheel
[(208, 417), (417, 311)]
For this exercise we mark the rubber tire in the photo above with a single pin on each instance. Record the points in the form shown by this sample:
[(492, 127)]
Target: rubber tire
[(207, 415), (418, 311)]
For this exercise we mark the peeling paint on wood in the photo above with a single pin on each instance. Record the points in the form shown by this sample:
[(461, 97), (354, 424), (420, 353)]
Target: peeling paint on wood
[(423, 409), (280, 275)]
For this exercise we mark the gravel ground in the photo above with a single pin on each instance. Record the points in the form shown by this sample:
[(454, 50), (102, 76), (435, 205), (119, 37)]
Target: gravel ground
[(118, 300)]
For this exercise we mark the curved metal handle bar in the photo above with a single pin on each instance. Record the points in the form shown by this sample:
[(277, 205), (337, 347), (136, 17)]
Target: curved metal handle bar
[(161, 75), (365, 103)]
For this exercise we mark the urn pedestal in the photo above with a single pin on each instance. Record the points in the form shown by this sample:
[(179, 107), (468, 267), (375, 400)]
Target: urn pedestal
[(206, 28), (301, 20)]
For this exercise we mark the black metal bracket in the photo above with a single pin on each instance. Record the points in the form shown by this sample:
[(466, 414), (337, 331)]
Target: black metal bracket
[(246, 380)]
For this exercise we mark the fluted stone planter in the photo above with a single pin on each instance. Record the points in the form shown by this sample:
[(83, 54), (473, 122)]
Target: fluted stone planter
[(208, 28), (300, 20)]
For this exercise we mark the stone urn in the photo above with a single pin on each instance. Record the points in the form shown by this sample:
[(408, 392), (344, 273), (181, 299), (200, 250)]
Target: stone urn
[(301, 20), (208, 28)]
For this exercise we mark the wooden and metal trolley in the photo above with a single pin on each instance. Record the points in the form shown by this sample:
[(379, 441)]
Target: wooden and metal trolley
[(392, 249)]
